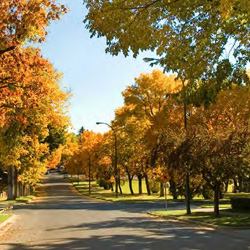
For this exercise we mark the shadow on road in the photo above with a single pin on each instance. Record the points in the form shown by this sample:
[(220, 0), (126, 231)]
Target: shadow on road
[(157, 237), (121, 228), (57, 193)]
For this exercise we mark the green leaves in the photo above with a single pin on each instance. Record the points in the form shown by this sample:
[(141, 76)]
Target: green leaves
[(190, 37)]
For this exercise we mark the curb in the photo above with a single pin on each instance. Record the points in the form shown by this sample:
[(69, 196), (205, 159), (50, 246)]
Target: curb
[(196, 222), (7, 224), (31, 200), (183, 220), (16, 204)]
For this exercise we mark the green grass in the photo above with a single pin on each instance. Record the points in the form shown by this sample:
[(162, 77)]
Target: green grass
[(240, 195), (22, 199), (25, 198), (99, 192), (221, 206), (125, 185), (4, 217), (225, 219)]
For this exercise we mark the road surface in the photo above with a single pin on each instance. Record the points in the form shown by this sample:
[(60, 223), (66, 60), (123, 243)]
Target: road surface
[(62, 219)]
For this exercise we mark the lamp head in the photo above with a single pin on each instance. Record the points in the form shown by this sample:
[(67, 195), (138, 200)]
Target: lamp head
[(149, 59)]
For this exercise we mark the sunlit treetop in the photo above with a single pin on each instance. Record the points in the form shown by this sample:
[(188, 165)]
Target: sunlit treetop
[(148, 94)]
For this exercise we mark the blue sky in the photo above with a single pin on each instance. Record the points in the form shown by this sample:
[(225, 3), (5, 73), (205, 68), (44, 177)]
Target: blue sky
[(95, 78)]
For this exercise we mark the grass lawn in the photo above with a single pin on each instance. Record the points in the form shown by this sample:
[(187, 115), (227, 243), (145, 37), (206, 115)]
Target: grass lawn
[(221, 206), (4, 217), (238, 195), (99, 192), (22, 199), (208, 217)]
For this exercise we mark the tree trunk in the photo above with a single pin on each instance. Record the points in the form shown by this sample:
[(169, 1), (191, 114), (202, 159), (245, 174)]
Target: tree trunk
[(130, 179), (20, 189), (139, 183), (119, 184), (147, 184), (89, 175), (173, 189), (10, 184), (226, 186), (24, 190), (188, 209), (78, 176), (216, 198), (240, 183), (235, 185), (161, 190), (15, 184)]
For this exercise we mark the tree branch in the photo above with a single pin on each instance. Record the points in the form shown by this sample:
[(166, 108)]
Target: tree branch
[(7, 50)]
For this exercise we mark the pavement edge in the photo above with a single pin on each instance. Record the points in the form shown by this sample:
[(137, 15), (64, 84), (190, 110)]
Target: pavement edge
[(7, 224), (195, 222)]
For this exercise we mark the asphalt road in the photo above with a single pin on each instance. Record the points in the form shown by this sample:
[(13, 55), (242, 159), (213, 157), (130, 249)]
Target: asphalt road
[(62, 219)]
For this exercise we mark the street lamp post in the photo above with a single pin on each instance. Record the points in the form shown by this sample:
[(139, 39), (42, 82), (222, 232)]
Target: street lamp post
[(152, 62), (116, 170), (89, 173)]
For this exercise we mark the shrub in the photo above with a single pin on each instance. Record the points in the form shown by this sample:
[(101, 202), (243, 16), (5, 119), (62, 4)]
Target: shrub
[(207, 192), (102, 183), (154, 186), (240, 203), (105, 184)]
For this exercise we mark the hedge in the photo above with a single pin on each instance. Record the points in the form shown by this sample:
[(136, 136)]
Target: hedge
[(240, 203)]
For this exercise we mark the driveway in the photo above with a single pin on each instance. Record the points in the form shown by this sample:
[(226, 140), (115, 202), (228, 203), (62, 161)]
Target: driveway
[(62, 219)]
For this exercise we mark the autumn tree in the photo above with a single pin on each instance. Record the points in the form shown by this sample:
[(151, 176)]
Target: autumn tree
[(24, 21), (90, 145), (190, 37), (85, 155), (221, 139), (131, 147), (143, 102), (69, 148), (31, 101), (199, 41)]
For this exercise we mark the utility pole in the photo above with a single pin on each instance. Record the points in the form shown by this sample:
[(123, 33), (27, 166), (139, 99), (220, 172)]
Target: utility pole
[(116, 162)]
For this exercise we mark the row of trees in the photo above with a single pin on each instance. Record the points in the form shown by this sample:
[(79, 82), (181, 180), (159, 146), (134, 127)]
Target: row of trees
[(205, 43), (153, 140), (33, 106)]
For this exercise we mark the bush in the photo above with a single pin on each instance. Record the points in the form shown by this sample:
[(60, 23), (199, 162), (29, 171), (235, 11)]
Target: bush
[(240, 203), (154, 186), (101, 183), (207, 192), (105, 184)]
